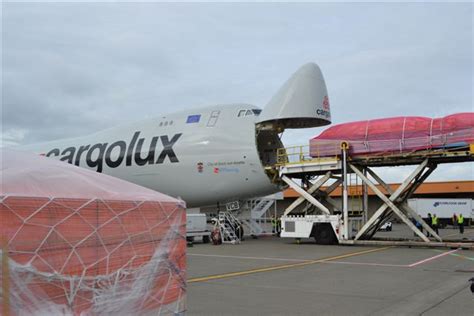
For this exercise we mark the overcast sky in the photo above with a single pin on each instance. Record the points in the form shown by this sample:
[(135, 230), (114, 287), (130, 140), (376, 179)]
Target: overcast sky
[(73, 68)]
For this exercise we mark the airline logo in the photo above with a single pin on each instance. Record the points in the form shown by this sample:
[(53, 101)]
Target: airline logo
[(100, 154), (326, 103), (436, 204), (325, 111)]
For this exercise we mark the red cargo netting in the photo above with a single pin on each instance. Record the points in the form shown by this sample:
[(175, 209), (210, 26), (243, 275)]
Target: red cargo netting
[(396, 135), (83, 243)]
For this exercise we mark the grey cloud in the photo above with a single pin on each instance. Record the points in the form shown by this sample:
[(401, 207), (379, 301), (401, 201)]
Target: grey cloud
[(75, 68)]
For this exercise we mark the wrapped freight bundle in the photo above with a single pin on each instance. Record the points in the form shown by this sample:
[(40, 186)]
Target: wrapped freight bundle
[(83, 243), (396, 135)]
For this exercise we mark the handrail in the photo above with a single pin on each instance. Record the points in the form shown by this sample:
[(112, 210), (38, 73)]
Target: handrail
[(303, 154)]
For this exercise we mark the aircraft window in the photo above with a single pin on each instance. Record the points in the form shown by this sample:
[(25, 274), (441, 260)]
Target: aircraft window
[(248, 112), (166, 123)]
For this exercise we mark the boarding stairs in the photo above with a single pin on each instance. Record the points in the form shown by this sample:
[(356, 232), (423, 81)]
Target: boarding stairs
[(254, 228), (228, 226), (260, 207), (256, 208)]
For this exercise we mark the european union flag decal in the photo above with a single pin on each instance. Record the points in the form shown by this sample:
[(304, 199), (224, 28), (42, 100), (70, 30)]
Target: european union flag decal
[(193, 119)]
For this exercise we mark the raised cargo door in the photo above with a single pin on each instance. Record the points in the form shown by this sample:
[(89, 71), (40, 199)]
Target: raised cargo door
[(301, 102)]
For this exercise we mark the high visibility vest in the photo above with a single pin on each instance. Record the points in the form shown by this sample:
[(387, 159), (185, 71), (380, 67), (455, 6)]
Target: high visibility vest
[(460, 219), (274, 222), (434, 220)]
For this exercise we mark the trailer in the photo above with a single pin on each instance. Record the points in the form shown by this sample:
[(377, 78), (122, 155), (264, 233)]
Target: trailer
[(197, 227), (444, 209)]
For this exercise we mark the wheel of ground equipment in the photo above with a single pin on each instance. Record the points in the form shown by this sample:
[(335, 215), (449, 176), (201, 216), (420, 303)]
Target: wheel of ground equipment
[(324, 234), (206, 239), (190, 241)]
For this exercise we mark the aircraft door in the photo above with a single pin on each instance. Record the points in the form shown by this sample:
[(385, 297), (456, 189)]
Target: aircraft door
[(213, 118)]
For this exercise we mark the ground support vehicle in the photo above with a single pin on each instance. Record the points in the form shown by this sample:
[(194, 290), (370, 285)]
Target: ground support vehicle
[(196, 227), (325, 229)]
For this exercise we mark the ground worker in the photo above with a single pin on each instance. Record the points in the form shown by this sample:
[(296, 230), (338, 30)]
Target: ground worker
[(274, 225), (455, 220), (461, 223), (419, 226), (429, 220), (434, 223), (278, 226)]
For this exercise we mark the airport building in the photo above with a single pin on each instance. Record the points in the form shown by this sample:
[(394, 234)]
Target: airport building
[(427, 190)]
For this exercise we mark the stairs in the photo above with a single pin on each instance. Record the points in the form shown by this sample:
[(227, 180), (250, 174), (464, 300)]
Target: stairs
[(253, 226), (229, 225), (260, 208)]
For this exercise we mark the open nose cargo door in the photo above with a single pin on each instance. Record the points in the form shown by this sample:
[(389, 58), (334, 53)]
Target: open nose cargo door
[(302, 102)]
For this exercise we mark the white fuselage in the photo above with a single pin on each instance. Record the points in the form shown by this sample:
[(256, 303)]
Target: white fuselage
[(204, 156)]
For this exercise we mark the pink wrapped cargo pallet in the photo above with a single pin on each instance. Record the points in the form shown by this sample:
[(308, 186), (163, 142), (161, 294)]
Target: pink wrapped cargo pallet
[(79, 242), (396, 135)]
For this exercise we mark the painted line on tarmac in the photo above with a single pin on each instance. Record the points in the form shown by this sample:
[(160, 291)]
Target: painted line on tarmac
[(432, 258), (281, 267), (301, 260), (369, 264), (459, 256), (251, 258)]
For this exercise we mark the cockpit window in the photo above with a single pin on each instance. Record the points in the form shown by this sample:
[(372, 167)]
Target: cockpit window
[(248, 112)]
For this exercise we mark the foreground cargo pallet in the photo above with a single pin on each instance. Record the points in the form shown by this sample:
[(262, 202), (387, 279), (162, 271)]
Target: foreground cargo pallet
[(78, 242)]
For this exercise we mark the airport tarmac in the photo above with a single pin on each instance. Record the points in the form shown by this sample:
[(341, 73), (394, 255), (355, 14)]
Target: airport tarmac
[(274, 276)]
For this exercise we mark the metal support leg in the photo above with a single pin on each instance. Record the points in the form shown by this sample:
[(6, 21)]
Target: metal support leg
[(419, 181), (379, 181), (305, 195), (410, 190), (389, 201), (407, 193), (365, 201), (325, 194), (344, 194), (311, 190)]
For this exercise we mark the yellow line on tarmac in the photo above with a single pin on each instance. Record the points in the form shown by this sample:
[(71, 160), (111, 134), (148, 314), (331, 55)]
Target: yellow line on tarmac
[(280, 267)]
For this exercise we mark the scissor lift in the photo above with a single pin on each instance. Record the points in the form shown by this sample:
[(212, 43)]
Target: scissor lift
[(295, 164)]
